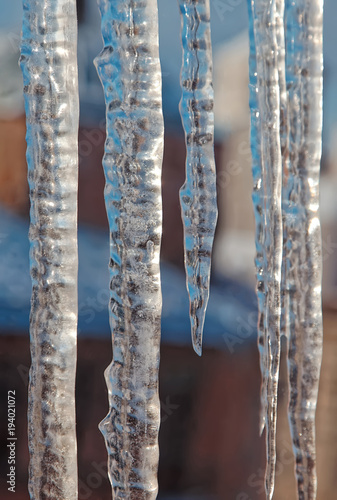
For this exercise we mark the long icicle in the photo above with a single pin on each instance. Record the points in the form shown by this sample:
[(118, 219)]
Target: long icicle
[(129, 70), (304, 83), (264, 14), (49, 66), (198, 194), (284, 140), (259, 213)]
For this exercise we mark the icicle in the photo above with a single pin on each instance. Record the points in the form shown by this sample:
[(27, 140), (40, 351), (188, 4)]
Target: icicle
[(284, 140), (198, 194), (258, 203), (130, 74), (265, 13), (49, 66), (304, 83)]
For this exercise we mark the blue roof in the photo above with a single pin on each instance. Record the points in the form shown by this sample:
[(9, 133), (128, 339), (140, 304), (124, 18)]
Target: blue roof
[(231, 316)]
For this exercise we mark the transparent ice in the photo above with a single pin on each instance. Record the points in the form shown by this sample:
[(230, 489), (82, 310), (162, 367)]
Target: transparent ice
[(264, 13), (304, 65), (198, 194), (49, 66), (259, 213), (286, 127), (129, 70)]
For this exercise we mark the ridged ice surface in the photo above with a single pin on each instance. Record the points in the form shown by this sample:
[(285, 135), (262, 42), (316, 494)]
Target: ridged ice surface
[(49, 66), (286, 128), (130, 74), (265, 14), (284, 141), (260, 216), (304, 83), (198, 194)]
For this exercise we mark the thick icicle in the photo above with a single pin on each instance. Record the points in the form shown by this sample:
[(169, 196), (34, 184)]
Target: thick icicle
[(49, 66), (198, 194), (259, 212), (304, 83), (265, 31), (130, 73)]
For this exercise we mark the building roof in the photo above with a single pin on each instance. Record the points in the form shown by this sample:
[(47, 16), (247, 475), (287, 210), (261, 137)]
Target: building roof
[(231, 316)]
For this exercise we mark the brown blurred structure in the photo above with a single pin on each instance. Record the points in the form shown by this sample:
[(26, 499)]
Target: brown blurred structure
[(210, 448), (13, 168), (208, 439)]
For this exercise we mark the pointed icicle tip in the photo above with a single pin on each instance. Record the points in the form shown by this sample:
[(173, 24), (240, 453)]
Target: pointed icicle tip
[(269, 488), (197, 345), (197, 317)]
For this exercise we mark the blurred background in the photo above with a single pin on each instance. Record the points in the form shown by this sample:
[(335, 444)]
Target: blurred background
[(209, 442)]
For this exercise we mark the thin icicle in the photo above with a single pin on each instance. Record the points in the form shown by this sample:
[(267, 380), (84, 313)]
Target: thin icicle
[(130, 74), (198, 194), (284, 140), (264, 14), (49, 66), (304, 83), (259, 212)]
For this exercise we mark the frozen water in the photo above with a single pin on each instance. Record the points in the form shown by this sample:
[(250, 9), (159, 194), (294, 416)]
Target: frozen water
[(286, 127), (304, 65), (260, 216), (49, 66), (264, 14), (198, 194), (129, 70)]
